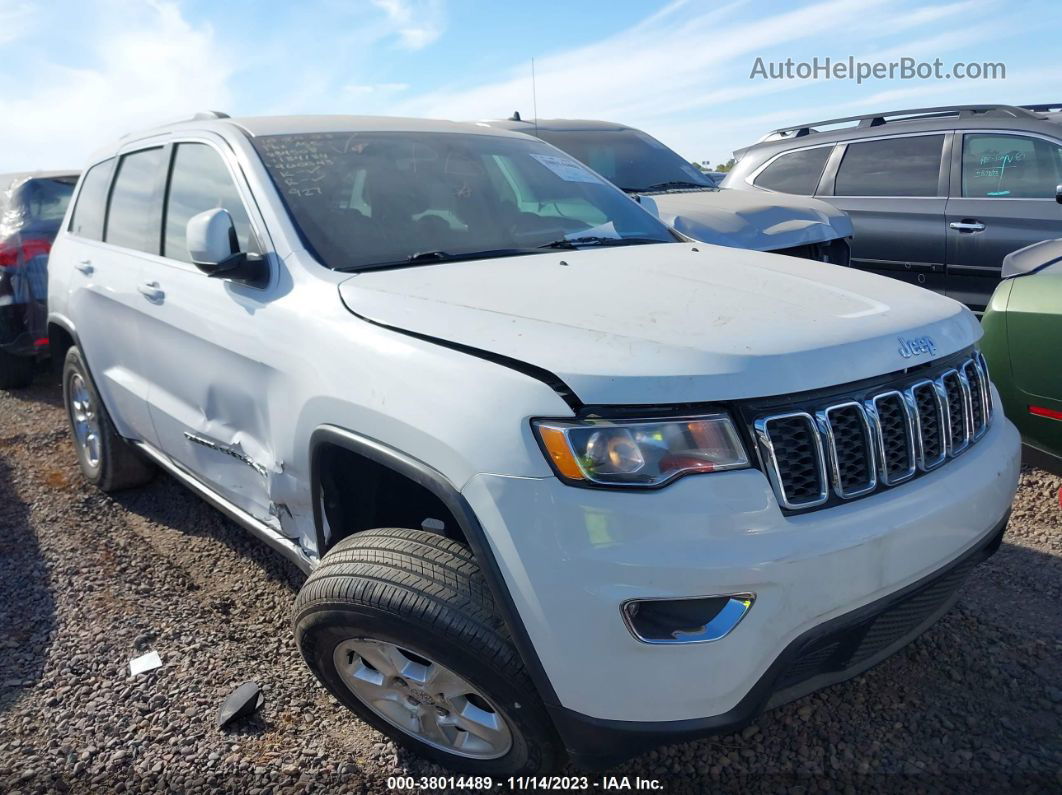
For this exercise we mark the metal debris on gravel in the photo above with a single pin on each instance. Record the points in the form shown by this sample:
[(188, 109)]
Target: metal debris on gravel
[(89, 581)]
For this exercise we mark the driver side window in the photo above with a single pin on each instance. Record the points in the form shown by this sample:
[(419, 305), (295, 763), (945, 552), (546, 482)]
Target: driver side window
[(996, 166), (200, 181)]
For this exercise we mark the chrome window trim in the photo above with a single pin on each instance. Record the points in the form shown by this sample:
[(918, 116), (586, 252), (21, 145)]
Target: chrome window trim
[(763, 437), (826, 427), (942, 420), (872, 413)]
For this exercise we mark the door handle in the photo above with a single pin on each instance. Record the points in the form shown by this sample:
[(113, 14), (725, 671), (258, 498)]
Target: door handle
[(85, 266), (151, 291), (968, 226)]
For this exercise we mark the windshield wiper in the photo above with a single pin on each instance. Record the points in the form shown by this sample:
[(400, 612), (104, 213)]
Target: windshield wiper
[(432, 257), (677, 183), (595, 240)]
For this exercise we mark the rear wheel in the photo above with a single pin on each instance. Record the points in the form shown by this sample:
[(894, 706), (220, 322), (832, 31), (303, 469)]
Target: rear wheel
[(106, 459), (15, 371), (400, 626)]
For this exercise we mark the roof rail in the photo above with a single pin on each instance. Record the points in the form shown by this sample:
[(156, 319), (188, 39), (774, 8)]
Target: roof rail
[(912, 114), (203, 115), (1047, 107)]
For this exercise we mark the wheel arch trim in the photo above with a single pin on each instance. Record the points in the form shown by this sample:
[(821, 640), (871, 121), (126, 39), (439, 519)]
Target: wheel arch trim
[(434, 481)]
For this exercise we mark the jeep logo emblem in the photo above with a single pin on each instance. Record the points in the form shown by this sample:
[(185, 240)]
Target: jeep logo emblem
[(916, 346)]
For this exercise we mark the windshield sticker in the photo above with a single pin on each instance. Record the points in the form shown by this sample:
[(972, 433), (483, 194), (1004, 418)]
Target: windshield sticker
[(567, 169)]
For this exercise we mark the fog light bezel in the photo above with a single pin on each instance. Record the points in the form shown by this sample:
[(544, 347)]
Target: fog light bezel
[(738, 605)]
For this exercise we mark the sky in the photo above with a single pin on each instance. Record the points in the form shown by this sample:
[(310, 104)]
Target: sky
[(75, 75)]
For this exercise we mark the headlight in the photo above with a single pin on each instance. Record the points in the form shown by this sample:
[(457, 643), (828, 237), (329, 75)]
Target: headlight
[(645, 453)]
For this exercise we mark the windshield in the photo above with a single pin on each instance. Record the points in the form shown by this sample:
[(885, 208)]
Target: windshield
[(629, 158), (378, 199)]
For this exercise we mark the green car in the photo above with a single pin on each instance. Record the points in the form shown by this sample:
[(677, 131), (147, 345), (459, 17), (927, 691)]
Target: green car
[(1023, 346)]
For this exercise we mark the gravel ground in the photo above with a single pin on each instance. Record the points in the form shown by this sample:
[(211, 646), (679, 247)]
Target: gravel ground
[(88, 581)]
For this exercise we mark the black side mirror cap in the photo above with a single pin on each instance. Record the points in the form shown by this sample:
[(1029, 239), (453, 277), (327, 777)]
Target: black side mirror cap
[(249, 269)]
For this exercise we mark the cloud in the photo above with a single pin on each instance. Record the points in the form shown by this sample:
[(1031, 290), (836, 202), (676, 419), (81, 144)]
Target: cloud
[(361, 89), (417, 24), (682, 74), (16, 19), (146, 65)]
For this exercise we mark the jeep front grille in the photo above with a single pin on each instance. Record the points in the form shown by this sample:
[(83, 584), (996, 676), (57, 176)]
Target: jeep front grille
[(845, 446)]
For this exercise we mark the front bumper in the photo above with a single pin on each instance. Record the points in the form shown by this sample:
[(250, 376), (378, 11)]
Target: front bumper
[(832, 652), (570, 557)]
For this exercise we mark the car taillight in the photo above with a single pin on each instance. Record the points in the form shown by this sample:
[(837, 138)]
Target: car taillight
[(12, 254)]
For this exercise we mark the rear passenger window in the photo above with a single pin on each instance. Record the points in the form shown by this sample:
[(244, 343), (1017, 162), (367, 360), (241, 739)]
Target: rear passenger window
[(796, 172), (199, 182), (1010, 167), (135, 208), (87, 218), (891, 167)]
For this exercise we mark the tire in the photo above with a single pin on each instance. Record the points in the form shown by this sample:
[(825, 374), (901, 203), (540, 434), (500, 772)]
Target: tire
[(424, 595), (16, 372), (107, 461)]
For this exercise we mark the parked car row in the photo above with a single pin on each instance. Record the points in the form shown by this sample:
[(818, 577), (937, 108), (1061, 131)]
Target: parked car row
[(545, 455), (937, 196), (32, 206), (688, 200)]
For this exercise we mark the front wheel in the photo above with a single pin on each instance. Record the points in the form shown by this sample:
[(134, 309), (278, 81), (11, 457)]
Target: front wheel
[(400, 626)]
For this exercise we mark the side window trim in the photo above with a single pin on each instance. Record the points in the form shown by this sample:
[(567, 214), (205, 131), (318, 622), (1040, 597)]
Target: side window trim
[(959, 148), (943, 169), (239, 181), (829, 171), (113, 160), (751, 177), (118, 158)]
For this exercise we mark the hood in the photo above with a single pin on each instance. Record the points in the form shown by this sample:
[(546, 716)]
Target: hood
[(1032, 258), (749, 219), (667, 323)]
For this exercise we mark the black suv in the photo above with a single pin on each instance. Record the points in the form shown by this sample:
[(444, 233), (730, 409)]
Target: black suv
[(31, 208), (938, 196)]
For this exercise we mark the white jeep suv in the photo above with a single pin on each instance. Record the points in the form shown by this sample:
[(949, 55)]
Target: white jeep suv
[(561, 482)]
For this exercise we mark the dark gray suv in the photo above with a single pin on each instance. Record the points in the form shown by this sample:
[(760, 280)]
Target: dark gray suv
[(938, 196)]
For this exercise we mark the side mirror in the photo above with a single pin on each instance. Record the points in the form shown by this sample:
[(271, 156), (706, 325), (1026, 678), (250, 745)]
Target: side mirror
[(648, 204), (1058, 193), (215, 249)]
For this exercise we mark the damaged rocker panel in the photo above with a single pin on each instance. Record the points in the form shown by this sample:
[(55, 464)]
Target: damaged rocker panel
[(303, 558)]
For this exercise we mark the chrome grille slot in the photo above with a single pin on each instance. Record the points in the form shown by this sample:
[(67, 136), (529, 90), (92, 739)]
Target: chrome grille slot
[(792, 449), (930, 434), (956, 399), (978, 397), (987, 381), (895, 437), (850, 447)]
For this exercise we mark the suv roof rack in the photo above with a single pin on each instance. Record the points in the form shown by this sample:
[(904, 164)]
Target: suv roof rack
[(1047, 107), (912, 114), (210, 114)]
